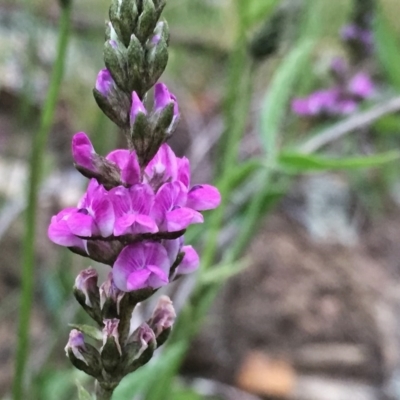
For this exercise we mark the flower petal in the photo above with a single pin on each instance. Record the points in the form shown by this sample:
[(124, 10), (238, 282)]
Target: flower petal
[(103, 214), (119, 157), (83, 151), (137, 280), (181, 218), (203, 197), (190, 261), (82, 224), (130, 173)]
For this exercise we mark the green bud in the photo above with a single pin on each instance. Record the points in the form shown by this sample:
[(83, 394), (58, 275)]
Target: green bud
[(111, 351), (147, 21), (82, 355), (93, 312), (115, 107), (123, 15), (141, 137), (157, 59), (140, 348), (115, 60), (136, 67)]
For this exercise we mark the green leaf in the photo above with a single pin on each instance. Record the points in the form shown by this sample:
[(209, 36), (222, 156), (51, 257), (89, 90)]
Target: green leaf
[(303, 163), (278, 96), (83, 394), (387, 49), (243, 172), (255, 11), (220, 273), (91, 331)]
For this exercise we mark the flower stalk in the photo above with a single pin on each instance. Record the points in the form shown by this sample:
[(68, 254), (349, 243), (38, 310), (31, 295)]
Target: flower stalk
[(138, 204)]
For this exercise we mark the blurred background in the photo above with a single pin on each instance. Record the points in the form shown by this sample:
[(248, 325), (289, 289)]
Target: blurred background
[(291, 108)]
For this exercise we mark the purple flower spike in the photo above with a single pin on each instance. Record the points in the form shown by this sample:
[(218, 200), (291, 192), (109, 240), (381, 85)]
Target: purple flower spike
[(104, 82), (141, 265), (136, 108), (203, 197), (83, 151), (361, 85)]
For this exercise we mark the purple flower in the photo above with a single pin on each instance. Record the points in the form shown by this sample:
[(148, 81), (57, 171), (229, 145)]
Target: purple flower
[(319, 102), (162, 168), (83, 151), (361, 85), (128, 163), (203, 197), (104, 82), (141, 265), (132, 207), (170, 211), (60, 233), (94, 215), (137, 108), (190, 261)]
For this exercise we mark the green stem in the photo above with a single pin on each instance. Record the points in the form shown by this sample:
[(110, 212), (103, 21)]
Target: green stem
[(236, 115), (36, 165), (103, 393)]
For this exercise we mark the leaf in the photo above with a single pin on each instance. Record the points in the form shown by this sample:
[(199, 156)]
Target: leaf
[(255, 11), (278, 96), (302, 162), (243, 172), (220, 273), (387, 49), (83, 394), (91, 331)]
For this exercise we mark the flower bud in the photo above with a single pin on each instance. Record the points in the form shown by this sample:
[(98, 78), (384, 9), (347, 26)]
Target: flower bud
[(110, 298), (140, 347), (115, 60), (86, 283), (137, 107), (86, 293), (111, 351), (123, 14), (92, 165), (162, 319), (156, 59), (104, 82), (82, 355), (136, 66), (147, 21)]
